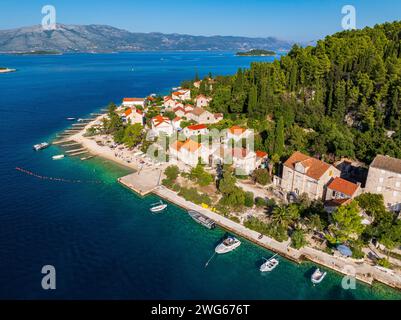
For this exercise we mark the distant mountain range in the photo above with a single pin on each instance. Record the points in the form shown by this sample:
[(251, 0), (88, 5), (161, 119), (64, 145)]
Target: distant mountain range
[(103, 38)]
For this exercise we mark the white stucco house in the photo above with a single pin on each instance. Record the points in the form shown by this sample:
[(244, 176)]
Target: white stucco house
[(195, 130), (133, 102), (162, 124)]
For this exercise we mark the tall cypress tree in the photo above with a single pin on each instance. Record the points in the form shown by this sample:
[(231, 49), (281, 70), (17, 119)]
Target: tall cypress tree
[(253, 101), (279, 137)]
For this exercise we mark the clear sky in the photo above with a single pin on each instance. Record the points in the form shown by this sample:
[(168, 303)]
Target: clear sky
[(299, 20)]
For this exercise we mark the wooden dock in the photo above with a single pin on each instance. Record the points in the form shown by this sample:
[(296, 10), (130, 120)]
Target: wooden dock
[(77, 150), (78, 153), (70, 144), (87, 158), (59, 142)]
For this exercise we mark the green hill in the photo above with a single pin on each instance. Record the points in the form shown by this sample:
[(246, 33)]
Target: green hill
[(339, 98)]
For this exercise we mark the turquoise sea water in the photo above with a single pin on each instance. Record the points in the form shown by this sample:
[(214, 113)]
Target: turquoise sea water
[(101, 238)]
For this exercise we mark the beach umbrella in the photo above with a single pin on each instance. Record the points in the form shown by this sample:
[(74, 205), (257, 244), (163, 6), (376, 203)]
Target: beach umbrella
[(344, 250)]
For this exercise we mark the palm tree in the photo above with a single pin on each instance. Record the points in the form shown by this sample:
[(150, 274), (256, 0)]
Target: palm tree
[(280, 215)]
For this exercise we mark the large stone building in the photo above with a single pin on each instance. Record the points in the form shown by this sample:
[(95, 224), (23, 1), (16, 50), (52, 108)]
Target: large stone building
[(384, 178), (305, 174)]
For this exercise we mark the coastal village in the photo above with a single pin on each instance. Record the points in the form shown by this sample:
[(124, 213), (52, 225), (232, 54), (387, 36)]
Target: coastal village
[(185, 153)]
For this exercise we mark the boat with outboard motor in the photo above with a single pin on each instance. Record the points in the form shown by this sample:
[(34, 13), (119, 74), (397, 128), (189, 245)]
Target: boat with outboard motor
[(229, 244)]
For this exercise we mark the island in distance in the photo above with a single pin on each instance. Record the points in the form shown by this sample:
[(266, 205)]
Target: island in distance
[(106, 39), (256, 52)]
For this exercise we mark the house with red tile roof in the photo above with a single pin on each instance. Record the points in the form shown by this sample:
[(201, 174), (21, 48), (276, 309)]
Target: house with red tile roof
[(183, 94), (243, 160), (168, 102), (133, 116), (133, 102), (177, 123), (189, 152), (303, 174), (202, 101), (196, 130), (342, 189), (201, 115), (340, 192), (238, 133), (162, 124), (179, 112)]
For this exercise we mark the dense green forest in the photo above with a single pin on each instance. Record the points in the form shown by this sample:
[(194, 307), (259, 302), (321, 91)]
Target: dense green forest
[(339, 98)]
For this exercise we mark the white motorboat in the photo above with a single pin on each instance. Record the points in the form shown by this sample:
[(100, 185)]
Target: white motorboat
[(70, 119), (269, 265), (229, 244), (318, 276), (158, 207), (40, 146), (58, 157)]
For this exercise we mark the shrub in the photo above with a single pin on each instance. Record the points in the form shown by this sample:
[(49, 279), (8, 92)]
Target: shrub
[(384, 263), (191, 194), (260, 202), (172, 172), (176, 187), (261, 176), (167, 183), (234, 218), (298, 239), (249, 199)]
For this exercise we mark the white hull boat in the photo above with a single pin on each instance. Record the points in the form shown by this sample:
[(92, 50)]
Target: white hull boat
[(158, 207), (40, 146), (58, 157), (269, 265), (318, 276), (228, 245)]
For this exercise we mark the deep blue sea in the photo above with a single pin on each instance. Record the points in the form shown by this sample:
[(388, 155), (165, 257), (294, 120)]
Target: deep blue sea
[(100, 237)]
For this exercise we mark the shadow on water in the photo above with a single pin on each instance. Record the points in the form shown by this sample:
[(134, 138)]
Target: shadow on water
[(309, 272), (338, 293)]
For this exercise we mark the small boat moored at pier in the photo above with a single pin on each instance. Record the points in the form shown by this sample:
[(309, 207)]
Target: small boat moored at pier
[(269, 265), (229, 244), (40, 146), (58, 157), (158, 207), (318, 276), (202, 219)]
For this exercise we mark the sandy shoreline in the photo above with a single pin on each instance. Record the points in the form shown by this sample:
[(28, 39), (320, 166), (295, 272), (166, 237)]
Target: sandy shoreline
[(346, 266)]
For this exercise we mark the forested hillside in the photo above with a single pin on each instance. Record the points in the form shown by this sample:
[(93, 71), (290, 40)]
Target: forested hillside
[(340, 98)]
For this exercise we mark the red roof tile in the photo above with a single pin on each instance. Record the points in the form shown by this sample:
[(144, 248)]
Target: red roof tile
[(261, 154), (197, 127), (346, 187), (237, 130), (315, 168)]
